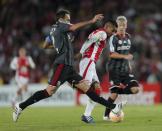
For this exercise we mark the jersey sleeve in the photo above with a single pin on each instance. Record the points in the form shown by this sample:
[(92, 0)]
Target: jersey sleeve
[(85, 46), (93, 37), (31, 62), (112, 44), (48, 39), (13, 64), (64, 27), (99, 36)]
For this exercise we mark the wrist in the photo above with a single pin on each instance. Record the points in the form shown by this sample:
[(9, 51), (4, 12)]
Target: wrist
[(91, 21)]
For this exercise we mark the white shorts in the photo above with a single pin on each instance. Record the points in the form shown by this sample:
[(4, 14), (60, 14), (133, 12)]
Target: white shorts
[(87, 69), (21, 81)]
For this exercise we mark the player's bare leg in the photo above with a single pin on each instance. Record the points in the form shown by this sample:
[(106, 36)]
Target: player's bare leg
[(113, 97), (86, 117), (19, 94), (84, 86)]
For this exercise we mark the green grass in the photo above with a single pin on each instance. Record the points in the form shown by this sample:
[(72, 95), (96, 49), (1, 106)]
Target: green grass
[(137, 118)]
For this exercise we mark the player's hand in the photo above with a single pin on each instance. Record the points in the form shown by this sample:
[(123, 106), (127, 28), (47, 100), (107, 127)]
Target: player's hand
[(129, 57), (97, 17)]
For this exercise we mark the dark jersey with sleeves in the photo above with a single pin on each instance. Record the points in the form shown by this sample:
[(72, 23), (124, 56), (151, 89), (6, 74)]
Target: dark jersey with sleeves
[(119, 45), (62, 40)]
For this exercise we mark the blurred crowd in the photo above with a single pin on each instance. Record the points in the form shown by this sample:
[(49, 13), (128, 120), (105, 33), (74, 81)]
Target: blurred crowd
[(26, 23)]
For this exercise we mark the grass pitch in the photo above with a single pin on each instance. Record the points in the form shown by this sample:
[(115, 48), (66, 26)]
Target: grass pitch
[(137, 118)]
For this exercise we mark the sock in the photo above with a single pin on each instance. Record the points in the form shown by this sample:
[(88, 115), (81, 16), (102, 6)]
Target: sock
[(16, 98), (107, 110), (99, 99), (37, 96), (89, 107)]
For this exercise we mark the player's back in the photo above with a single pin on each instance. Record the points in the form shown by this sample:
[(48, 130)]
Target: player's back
[(94, 45), (62, 39)]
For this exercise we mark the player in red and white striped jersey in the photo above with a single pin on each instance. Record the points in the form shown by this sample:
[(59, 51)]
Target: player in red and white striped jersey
[(21, 65), (91, 51)]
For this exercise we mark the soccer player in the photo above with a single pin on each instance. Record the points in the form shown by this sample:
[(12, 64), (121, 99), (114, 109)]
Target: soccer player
[(21, 65), (91, 51), (121, 79), (63, 70)]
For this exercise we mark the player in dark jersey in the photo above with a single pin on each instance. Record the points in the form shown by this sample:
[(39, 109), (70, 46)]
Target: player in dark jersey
[(121, 79), (61, 38)]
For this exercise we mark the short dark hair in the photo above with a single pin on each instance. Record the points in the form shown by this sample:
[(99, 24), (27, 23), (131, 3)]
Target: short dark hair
[(61, 13), (112, 22)]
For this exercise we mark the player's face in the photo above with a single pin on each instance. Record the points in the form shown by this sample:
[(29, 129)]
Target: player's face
[(67, 18), (122, 25), (110, 29), (22, 52)]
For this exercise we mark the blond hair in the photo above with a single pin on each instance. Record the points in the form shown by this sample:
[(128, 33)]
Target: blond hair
[(121, 18)]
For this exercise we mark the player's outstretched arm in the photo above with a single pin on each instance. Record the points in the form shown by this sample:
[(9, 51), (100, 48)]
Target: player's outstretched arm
[(116, 55), (84, 23)]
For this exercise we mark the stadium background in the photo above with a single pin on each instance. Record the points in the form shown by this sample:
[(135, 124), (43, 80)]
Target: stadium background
[(26, 23)]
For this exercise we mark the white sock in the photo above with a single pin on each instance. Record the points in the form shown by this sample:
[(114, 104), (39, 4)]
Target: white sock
[(89, 108), (16, 98), (24, 95)]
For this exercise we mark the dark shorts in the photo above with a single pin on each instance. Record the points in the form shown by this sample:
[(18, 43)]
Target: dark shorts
[(62, 73), (116, 79)]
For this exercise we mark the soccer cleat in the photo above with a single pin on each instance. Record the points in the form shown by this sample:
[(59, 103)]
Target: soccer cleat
[(106, 118), (16, 113), (87, 119), (119, 107)]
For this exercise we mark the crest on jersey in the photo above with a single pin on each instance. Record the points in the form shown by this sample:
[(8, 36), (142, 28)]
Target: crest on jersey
[(120, 42)]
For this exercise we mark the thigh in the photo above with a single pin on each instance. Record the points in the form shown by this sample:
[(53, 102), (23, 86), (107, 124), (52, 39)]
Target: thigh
[(56, 77), (85, 68), (21, 81), (73, 77), (95, 76), (89, 72)]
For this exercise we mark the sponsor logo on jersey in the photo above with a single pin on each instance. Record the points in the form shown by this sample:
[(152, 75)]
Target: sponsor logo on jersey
[(124, 47), (120, 42)]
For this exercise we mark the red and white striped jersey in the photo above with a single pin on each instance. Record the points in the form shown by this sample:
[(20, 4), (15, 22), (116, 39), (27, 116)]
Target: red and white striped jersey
[(22, 65), (94, 45)]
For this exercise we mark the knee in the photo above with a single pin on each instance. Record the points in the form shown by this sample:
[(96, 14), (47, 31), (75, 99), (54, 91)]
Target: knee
[(83, 86), (115, 90), (51, 90), (134, 90)]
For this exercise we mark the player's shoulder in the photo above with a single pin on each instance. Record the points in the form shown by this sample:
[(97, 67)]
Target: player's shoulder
[(114, 37), (15, 58), (28, 57), (62, 24), (100, 30)]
